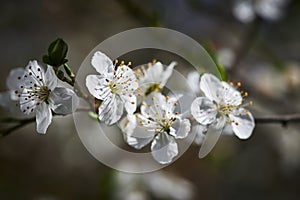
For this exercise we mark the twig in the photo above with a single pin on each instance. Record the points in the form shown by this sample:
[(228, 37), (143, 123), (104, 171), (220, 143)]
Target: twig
[(283, 119)]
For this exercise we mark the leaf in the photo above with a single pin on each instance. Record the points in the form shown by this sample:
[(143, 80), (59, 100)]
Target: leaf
[(222, 72), (57, 52)]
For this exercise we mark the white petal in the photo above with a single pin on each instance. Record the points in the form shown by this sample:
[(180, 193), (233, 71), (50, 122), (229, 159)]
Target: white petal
[(34, 74), (127, 79), (130, 103), (63, 101), (137, 142), (193, 80), (135, 136), (164, 148), (102, 63), (166, 74), (229, 95), (111, 109), (153, 73), (50, 78), (213, 133), (43, 117), (182, 127), (98, 86), (243, 123), (204, 110), (27, 105), (5, 99), (210, 86), (199, 131), (13, 80), (154, 106), (128, 124)]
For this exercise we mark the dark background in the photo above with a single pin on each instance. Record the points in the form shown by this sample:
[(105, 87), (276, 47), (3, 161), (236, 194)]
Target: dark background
[(57, 165)]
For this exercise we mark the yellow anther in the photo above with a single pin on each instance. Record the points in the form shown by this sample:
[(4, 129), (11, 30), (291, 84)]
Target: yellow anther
[(167, 97), (246, 94), (239, 84), (152, 98), (175, 104), (149, 64), (251, 103), (231, 83), (122, 63), (116, 61), (136, 115), (129, 63), (154, 61)]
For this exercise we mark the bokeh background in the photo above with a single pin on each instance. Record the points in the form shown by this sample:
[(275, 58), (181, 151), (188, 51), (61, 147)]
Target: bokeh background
[(257, 42)]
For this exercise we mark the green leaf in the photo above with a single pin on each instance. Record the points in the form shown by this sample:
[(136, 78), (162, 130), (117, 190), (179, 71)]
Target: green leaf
[(57, 52), (209, 47), (222, 72)]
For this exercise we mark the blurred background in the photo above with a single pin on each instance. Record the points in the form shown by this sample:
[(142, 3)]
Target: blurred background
[(256, 40)]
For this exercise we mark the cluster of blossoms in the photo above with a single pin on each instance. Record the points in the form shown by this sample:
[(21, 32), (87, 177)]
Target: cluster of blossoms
[(151, 117), (35, 91), (156, 119)]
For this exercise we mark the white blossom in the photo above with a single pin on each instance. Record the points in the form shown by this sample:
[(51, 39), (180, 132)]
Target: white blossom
[(9, 99), (222, 104), (154, 78), (159, 124), (247, 10), (38, 93), (116, 88)]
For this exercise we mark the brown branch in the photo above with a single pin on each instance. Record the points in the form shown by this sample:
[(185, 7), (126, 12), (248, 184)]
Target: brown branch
[(283, 119)]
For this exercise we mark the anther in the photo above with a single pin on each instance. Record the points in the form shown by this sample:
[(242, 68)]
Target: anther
[(239, 84)]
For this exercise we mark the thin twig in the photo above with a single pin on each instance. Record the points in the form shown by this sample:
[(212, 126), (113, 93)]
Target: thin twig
[(283, 119)]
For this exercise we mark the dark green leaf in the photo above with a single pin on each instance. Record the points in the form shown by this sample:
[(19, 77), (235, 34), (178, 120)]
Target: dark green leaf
[(57, 52)]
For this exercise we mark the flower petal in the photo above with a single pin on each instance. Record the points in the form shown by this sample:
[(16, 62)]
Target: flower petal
[(126, 77), (210, 86), (27, 105), (166, 74), (182, 127), (204, 110), (164, 148), (43, 117), (130, 103), (154, 106), (242, 123), (13, 80), (102, 63), (199, 131), (63, 101), (50, 78), (229, 95), (193, 80), (213, 133), (135, 136), (98, 86), (111, 109), (153, 73)]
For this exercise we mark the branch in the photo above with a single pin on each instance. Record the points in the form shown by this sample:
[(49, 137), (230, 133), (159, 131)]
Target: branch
[(283, 119)]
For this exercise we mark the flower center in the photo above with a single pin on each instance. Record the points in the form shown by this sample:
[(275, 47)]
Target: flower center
[(43, 93), (166, 124), (226, 109), (154, 87), (113, 86)]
